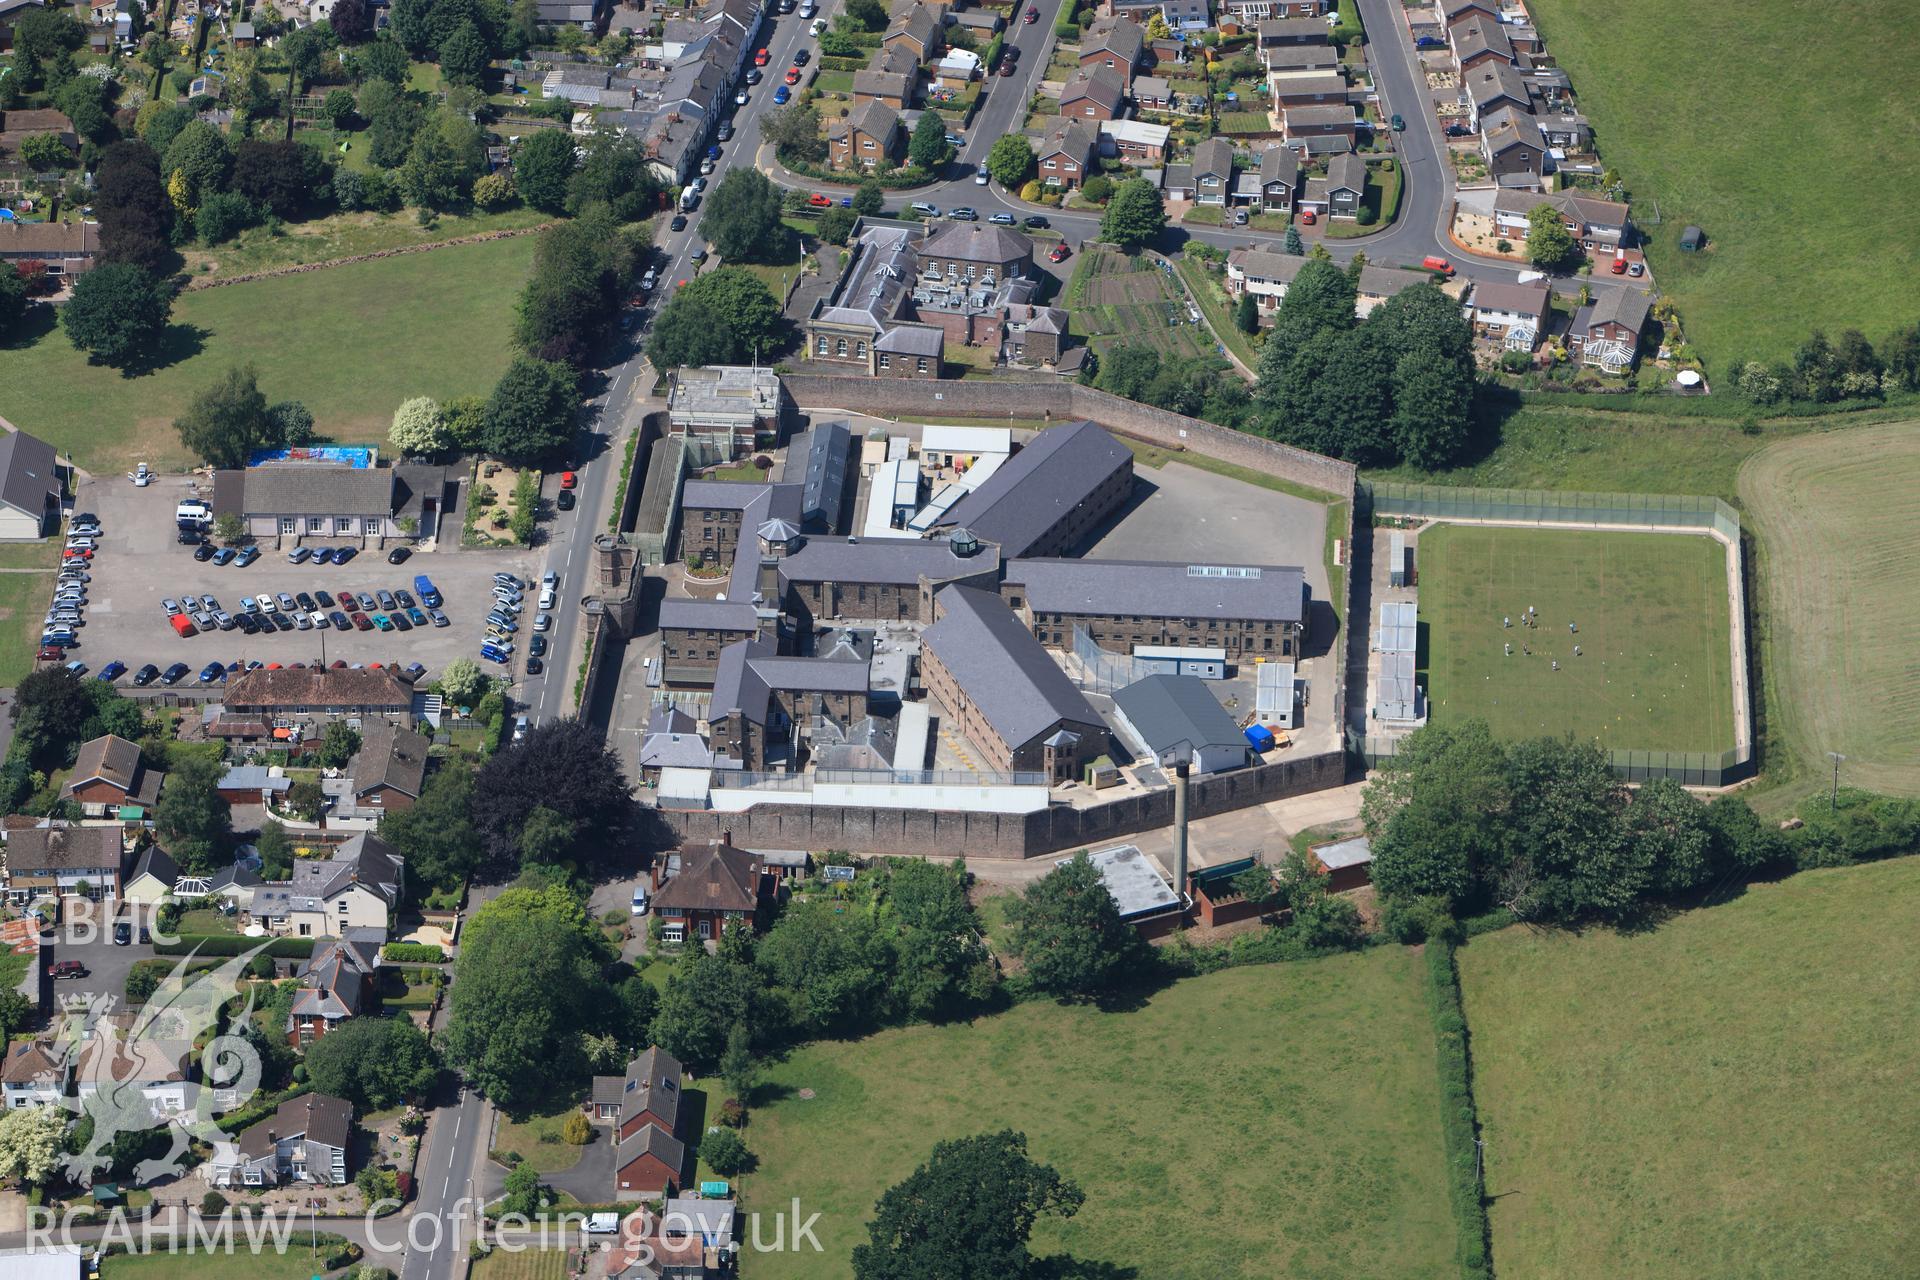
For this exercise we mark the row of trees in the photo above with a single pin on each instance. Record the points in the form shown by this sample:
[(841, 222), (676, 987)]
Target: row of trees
[(1824, 371)]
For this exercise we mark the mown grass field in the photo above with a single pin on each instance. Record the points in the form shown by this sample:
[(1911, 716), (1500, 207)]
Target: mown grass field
[(1113, 300), (1654, 670), (350, 342), (1727, 1095), (1270, 1121), (1781, 129), (297, 1263), (1841, 593), (343, 235), (23, 604), (532, 1264)]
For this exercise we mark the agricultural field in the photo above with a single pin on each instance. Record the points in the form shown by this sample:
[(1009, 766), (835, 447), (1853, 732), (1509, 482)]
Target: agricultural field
[(1729, 1094), (1841, 595), (1654, 669), (350, 342), (1115, 300), (1244, 1102), (1833, 216)]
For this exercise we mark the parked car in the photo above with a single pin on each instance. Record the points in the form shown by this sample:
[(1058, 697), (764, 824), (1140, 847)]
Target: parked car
[(1636, 268), (564, 500), (1399, 123), (300, 555), (753, 75), (1619, 267), (1006, 66), (1035, 222), (203, 553), (1032, 15), (1059, 252), (211, 672), (761, 58), (66, 969), (782, 95), (1001, 219), (112, 671), (174, 674), (343, 554), (924, 209), (802, 57), (399, 555), (793, 75), (963, 214)]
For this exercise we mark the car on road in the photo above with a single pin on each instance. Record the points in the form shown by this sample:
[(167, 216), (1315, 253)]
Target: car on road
[(980, 175), (537, 646), (955, 141), (1059, 252), (762, 58), (818, 201), (174, 674), (753, 75), (535, 666), (706, 166), (1399, 123), (802, 57), (819, 25), (542, 621), (66, 969), (781, 96), (924, 209), (112, 671), (808, 9), (1032, 14), (793, 75), (1001, 220), (698, 255), (564, 500), (963, 214), (1438, 264), (724, 132), (679, 222), (1006, 65), (569, 480)]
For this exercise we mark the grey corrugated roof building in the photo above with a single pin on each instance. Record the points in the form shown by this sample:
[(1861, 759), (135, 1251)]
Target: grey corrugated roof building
[(1155, 589), (1065, 479), (1019, 690), (1178, 716)]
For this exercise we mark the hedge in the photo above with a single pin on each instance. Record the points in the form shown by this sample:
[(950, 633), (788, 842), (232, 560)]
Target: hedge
[(895, 180), (1460, 1127), (235, 1121), (227, 944), (830, 63), (412, 953)]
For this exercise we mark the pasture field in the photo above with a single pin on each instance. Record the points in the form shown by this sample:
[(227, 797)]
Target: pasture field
[(1114, 300), (1710, 121), (1266, 1121), (1841, 600), (1654, 669), (349, 342), (1729, 1094)]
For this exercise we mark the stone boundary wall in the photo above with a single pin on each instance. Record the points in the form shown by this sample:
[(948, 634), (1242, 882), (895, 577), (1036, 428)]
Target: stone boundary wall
[(950, 834), (200, 282), (1069, 401)]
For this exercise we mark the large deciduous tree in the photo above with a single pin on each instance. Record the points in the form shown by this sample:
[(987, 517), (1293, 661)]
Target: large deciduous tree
[(1068, 932), (225, 422), (562, 766), (928, 148), (742, 221), (131, 203), (966, 1214), (543, 165), (1549, 244), (193, 822), (736, 314), (435, 834), (1135, 216), (117, 314), (795, 133), (1011, 161), (1436, 812), (373, 1063), (529, 416), (707, 996)]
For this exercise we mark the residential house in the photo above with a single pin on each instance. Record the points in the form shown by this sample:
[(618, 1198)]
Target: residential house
[(1117, 45), (1095, 95), (1515, 153), (1294, 58), (236, 884), (32, 1076), (1290, 32), (956, 69), (690, 1239), (917, 29), (1454, 11), (585, 14), (1181, 15), (56, 859), (870, 137), (1492, 86), (286, 504), (1236, 16), (1212, 171), (1176, 719), (1034, 334), (1251, 612), (113, 1069), (359, 887), (1478, 40), (254, 784), (67, 248), (305, 1141), (336, 983), (390, 768), (108, 777), (1346, 187), (1136, 141), (717, 887), (1289, 89), (974, 252), (581, 82), (1066, 154), (1279, 178), (999, 687), (316, 691), (1607, 332), (1513, 314), (31, 485), (1568, 131), (1595, 223), (892, 89), (153, 877), (1320, 130), (1153, 93), (1267, 274)]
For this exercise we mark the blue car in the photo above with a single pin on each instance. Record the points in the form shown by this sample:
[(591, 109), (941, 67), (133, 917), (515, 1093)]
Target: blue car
[(322, 555), (225, 556), (112, 671), (780, 96), (246, 557), (211, 672), (493, 655)]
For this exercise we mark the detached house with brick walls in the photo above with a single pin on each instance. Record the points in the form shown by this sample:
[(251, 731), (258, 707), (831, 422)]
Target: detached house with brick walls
[(869, 138), (1515, 152), (715, 887), (108, 777), (1066, 154), (644, 1108), (1114, 44), (1095, 95)]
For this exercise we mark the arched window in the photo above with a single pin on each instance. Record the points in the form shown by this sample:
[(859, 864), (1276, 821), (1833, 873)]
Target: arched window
[(840, 346)]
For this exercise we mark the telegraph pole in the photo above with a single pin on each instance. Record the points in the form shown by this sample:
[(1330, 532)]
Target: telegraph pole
[(1833, 801)]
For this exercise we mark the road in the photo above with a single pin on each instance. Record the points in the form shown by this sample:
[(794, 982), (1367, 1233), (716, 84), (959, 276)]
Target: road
[(444, 1178)]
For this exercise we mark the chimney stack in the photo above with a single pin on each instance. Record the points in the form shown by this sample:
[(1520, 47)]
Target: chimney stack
[(1180, 828)]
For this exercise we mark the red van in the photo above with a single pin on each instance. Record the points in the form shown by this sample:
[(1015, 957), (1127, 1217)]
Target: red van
[(181, 624), (1431, 263)]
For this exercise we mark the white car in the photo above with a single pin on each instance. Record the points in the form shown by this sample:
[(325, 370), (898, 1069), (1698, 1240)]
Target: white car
[(546, 596), (549, 579), (819, 24), (541, 621), (265, 603)]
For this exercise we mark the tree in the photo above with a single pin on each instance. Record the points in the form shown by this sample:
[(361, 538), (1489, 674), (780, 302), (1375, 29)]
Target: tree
[(940, 964), (1435, 814), (13, 300), (1292, 243), (870, 200), (725, 1152), (418, 428), (795, 133), (1432, 406), (435, 834), (117, 313), (833, 967), (289, 424), (966, 1214), (523, 27), (1246, 313), (1671, 829), (447, 154), (351, 20), (198, 155), (1011, 161), (615, 173), (45, 152), (229, 528), (224, 215), (463, 55), (739, 315), (1069, 933), (281, 176), (524, 1193), (928, 147), (373, 1063), (30, 1143), (1567, 831), (1157, 28), (303, 50), (1134, 216), (1098, 189), (530, 414), (1334, 396), (16, 1013), (836, 225), (226, 421), (868, 15), (276, 851), (1320, 297), (339, 744), (381, 58), (463, 684), (542, 166), (578, 280), (191, 819), (561, 765), (742, 221), (707, 996), (1550, 245), (529, 978), (494, 191)]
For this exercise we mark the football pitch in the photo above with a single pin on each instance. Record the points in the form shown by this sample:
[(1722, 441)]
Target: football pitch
[(1651, 610)]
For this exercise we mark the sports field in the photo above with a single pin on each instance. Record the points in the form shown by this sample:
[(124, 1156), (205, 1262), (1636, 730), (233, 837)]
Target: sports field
[(1653, 671), (1840, 587), (1729, 1095), (1270, 1121), (1785, 130)]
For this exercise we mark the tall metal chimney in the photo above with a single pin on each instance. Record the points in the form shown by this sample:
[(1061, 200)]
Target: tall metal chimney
[(1180, 829)]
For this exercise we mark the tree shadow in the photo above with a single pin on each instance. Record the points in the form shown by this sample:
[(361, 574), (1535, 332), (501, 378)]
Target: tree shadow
[(178, 342), (36, 322), (1064, 1266)]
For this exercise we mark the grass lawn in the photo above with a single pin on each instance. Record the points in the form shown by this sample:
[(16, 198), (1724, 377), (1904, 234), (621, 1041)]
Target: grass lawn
[(44, 554), (1836, 222), (13, 969), (350, 343), (1212, 296), (1841, 598), (297, 1263), (1726, 1095), (343, 235), (534, 1264), (1652, 612), (23, 603), (204, 921), (526, 1137), (1292, 1109), (1382, 196)]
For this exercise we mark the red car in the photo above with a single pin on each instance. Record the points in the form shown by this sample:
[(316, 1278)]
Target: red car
[(51, 653), (66, 969), (793, 75), (819, 201), (762, 58), (1033, 14), (568, 480), (1059, 253), (1006, 66), (1619, 266)]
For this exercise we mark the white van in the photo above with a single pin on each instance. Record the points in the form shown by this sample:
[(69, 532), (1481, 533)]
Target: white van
[(193, 511), (640, 901)]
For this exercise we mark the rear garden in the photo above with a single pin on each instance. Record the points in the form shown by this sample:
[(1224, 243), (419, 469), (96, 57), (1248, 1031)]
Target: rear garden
[(1113, 299)]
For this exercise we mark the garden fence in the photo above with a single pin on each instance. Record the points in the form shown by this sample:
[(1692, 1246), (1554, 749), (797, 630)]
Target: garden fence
[(1552, 506)]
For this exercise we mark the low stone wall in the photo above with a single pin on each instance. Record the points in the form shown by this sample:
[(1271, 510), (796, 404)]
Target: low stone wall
[(950, 834), (200, 282)]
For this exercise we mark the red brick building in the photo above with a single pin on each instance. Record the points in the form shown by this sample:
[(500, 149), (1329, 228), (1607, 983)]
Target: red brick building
[(716, 886)]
